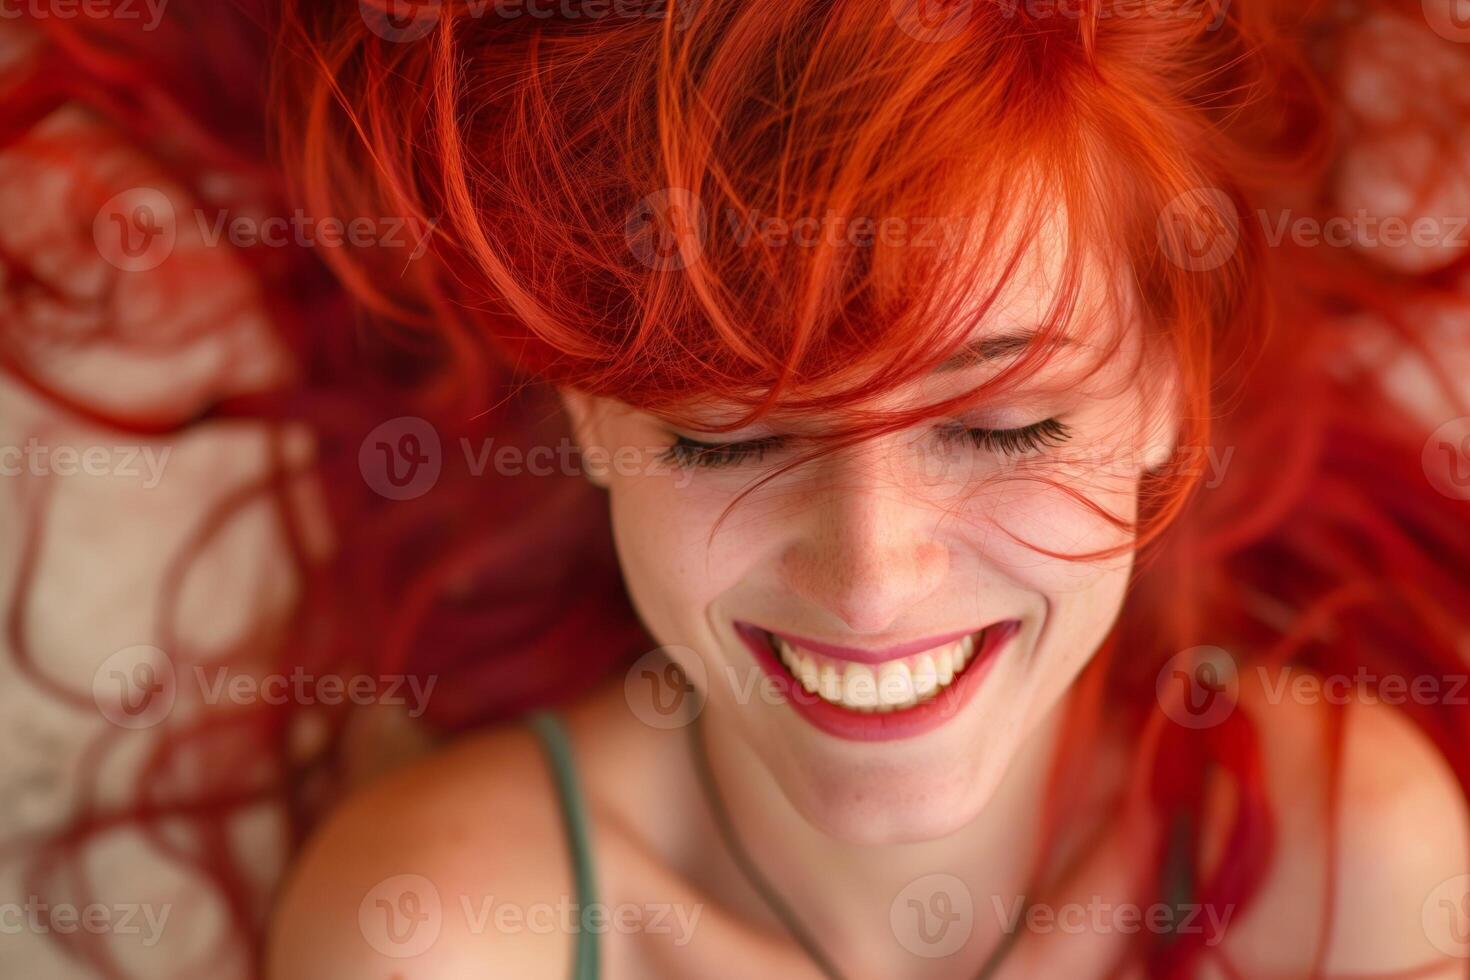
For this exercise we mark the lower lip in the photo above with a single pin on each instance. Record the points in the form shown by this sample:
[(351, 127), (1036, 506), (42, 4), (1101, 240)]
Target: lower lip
[(873, 726)]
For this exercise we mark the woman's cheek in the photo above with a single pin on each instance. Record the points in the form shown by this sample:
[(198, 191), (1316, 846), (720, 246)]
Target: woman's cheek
[(1027, 526), (1082, 598), (674, 569)]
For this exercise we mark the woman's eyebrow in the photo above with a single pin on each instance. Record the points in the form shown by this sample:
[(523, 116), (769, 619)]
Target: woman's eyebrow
[(994, 348)]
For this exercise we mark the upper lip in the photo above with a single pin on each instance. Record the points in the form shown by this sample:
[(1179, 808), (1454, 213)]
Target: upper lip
[(861, 654)]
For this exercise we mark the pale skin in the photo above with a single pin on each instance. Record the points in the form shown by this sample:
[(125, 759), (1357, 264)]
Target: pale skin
[(865, 548)]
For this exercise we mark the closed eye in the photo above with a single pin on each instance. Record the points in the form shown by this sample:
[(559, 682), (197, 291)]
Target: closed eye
[(1011, 442), (688, 452), (1024, 440)]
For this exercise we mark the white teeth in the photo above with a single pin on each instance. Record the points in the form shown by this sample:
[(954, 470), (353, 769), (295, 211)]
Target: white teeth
[(926, 676), (891, 686), (808, 674), (859, 689), (829, 686), (895, 684), (946, 667)]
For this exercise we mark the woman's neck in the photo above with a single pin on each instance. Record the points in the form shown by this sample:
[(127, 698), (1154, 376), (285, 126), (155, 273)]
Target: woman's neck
[(845, 894)]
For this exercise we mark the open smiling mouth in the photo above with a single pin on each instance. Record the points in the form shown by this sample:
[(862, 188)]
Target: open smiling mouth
[(867, 694), (894, 685)]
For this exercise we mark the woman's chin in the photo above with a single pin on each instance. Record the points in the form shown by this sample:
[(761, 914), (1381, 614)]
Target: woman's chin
[(900, 801), (884, 818)]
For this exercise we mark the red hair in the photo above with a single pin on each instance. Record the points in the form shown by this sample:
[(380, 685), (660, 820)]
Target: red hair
[(571, 177)]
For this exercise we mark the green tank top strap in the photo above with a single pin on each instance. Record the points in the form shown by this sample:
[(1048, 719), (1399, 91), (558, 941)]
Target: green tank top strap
[(1176, 879), (549, 729)]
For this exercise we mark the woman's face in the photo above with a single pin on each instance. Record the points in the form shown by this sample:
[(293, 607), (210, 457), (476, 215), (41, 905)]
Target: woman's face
[(905, 579)]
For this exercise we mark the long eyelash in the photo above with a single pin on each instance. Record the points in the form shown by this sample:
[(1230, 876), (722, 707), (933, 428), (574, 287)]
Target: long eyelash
[(1013, 442), (687, 452)]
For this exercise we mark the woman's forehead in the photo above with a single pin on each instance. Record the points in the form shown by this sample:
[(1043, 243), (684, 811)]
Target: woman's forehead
[(1029, 300), (1066, 365)]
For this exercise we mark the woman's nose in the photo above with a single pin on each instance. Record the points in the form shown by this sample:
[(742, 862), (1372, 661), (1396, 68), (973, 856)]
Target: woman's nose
[(867, 556)]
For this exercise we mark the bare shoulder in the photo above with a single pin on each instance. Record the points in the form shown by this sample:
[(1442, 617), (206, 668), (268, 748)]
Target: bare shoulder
[(1404, 839), (437, 862), (1358, 863)]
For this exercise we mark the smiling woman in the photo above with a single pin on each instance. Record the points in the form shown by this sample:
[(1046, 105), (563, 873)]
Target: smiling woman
[(988, 537), (925, 571)]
